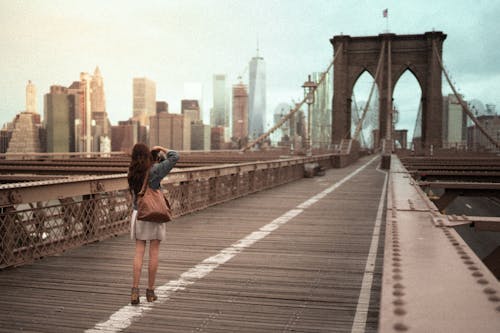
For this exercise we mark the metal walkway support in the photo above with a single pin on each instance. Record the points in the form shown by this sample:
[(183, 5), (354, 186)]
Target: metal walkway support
[(432, 280)]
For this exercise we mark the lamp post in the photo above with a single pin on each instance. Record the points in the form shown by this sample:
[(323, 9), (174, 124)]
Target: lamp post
[(309, 88)]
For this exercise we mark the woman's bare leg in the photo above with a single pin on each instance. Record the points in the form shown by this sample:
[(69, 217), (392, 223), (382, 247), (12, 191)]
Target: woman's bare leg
[(154, 250), (140, 246)]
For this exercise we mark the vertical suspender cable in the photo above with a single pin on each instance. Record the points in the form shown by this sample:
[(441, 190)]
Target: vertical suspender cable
[(358, 118), (388, 134)]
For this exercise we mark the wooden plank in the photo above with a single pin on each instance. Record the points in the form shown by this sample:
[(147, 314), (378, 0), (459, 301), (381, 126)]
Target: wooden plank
[(304, 276)]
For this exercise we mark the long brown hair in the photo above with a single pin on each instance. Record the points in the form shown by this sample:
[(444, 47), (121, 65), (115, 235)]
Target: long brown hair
[(139, 166)]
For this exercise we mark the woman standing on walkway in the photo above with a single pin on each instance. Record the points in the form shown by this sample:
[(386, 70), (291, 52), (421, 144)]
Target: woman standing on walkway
[(146, 162)]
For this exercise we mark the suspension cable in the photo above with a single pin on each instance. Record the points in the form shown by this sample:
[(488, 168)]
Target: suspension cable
[(460, 100), (418, 122), (362, 137), (294, 110)]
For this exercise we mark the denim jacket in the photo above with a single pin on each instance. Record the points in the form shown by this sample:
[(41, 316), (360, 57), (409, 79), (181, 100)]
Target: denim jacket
[(158, 171)]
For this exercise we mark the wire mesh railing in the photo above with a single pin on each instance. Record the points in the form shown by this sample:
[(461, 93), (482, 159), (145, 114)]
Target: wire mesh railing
[(48, 217)]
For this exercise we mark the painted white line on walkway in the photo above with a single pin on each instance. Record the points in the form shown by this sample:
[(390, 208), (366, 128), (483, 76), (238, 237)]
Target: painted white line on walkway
[(124, 317), (321, 195), (359, 323)]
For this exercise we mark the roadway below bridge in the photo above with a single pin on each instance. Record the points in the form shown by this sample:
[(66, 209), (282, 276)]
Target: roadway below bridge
[(305, 256), (486, 244), (474, 206)]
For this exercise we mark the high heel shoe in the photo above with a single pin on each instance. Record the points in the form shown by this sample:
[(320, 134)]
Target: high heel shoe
[(150, 295), (134, 296)]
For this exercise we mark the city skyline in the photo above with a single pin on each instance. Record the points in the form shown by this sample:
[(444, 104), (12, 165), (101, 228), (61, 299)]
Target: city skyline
[(51, 42)]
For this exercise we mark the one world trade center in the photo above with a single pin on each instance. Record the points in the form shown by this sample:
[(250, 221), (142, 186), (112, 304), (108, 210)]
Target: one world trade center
[(256, 96)]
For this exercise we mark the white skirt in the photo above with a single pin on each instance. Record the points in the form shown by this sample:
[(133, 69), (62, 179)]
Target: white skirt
[(145, 230)]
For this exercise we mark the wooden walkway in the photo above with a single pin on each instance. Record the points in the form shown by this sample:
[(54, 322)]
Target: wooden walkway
[(301, 269)]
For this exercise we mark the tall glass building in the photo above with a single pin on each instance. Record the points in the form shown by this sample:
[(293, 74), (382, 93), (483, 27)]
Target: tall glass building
[(321, 114), (220, 112), (454, 122), (59, 120), (282, 134), (256, 96), (144, 105)]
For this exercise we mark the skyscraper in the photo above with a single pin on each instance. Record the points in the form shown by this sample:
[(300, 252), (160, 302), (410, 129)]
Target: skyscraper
[(77, 89), (144, 105), (240, 112), (167, 130), (125, 135), (98, 101), (216, 138), (59, 120), (281, 136), (257, 96), (476, 140), (161, 106), (454, 122), (25, 130), (25, 134), (190, 108), (321, 115), (200, 136), (5, 136), (101, 131), (220, 114), (30, 97), (92, 128), (85, 112), (194, 91)]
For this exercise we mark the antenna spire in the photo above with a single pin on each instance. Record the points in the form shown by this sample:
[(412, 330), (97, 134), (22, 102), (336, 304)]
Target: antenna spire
[(257, 46)]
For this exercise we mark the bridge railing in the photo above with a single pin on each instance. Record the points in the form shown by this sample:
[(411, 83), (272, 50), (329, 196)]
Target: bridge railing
[(48, 217)]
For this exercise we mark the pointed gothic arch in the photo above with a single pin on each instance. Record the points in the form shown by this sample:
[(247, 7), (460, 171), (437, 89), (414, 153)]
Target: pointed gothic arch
[(407, 112), (361, 93)]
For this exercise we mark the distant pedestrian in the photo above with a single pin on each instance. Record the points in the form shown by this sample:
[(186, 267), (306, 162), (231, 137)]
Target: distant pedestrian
[(158, 162)]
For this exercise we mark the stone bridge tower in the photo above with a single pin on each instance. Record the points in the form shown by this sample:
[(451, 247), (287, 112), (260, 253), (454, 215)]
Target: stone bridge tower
[(401, 53)]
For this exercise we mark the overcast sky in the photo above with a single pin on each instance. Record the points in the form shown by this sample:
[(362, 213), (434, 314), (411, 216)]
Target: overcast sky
[(178, 42)]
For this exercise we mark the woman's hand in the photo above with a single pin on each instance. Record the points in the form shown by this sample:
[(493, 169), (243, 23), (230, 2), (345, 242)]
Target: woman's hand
[(165, 150)]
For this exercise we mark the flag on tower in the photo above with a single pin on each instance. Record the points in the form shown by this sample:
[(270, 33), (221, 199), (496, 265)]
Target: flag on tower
[(385, 12)]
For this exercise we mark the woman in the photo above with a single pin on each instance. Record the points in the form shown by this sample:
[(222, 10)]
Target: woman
[(146, 162)]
